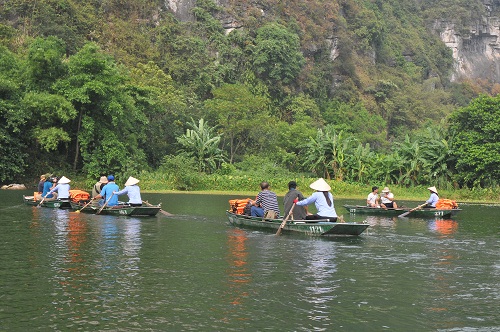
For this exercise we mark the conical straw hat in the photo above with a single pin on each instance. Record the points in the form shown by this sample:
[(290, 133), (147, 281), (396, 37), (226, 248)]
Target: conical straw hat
[(131, 181), (433, 189), (320, 185), (64, 180)]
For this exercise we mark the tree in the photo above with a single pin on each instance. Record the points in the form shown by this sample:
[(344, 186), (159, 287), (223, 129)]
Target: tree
[(241, 116), (475, 142), (200, 143), (276, 55), (108, 126)]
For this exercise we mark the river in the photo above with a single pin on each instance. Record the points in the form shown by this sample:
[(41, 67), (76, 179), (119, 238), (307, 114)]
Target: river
[(68, 271)]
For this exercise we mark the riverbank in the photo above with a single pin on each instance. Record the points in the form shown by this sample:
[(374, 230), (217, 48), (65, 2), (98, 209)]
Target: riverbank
[(248, 186)]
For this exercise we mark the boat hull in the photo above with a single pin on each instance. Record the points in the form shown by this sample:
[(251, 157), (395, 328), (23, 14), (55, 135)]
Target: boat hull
[(121, 210), (319, 228), (55, 204), (420, 213)]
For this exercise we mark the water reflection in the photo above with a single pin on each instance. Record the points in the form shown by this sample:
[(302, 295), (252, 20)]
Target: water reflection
[(237, 272), (444, 227), (317, 277)]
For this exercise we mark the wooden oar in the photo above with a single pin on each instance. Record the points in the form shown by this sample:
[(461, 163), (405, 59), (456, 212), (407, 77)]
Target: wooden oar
[(285, 220), (98, 212), (90, 201), (161, 211), (40, 204), (416, 208)]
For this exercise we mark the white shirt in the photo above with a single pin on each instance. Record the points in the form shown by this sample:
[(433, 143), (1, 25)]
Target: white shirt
[(372, 198), (385, 199)]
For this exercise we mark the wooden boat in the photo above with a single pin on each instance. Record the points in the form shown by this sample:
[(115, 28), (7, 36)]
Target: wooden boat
[(119, 210), (309, 227), (420, 213), (54, 204)]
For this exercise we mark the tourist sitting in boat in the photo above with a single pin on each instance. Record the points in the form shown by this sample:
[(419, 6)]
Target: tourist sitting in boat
[(322, 199), (107, 194), (132, 190), (433, 199), (373, 200), (266, 204), (299, 212), (62, 189), (97, 188), (387, 199), (47, 186)]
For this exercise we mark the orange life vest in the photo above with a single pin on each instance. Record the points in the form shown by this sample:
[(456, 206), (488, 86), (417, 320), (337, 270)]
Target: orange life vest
[(446, 204), (78, 195), (238, 205)]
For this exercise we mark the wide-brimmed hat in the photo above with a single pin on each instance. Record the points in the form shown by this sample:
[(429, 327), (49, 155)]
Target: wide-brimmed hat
[(131, 181), (64, 180), (386, 190), (320, 185), (103, 179), (433, 189)]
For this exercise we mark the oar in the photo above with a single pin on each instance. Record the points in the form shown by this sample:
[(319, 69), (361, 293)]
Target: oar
[(162, 211), (98, 212), (407, 213), (285, 220), (90, 201), (40, 204)]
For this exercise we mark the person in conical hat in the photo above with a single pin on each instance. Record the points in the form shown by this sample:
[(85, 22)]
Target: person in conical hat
[(322, 199), (433, 199), (132, 190), (62, 189)]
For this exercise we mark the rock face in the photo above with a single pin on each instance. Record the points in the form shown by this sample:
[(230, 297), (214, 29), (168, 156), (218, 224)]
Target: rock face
[(476, 55), (14, 186)]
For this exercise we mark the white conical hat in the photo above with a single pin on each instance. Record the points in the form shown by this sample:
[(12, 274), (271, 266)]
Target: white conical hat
[(433, 189), (131, 181), (64, 180), (320, 185)]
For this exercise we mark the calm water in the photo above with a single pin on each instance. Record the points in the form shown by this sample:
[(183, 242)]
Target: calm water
[(67, 271)]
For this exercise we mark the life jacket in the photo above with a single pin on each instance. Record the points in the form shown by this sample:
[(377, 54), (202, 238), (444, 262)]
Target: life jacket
[(78, 195), (446, 204), (238, 205)]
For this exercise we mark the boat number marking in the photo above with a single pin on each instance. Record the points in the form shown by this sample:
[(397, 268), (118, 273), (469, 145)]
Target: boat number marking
[(123, 212), (352, 210), (57, 204), (438, 213), (316, 229)]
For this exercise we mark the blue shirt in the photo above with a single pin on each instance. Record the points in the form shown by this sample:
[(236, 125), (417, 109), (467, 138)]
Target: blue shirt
[(432, 200), (133, 192), (46, 188), (321, 205), (62, 189), (107, 191)]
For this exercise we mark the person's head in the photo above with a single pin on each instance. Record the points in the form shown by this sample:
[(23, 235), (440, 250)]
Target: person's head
[(386, 190), (131, 181), (374, 189), (43, 177), (320, 185), (264, 185), (433, 190), (103, 179), (111, 177), (292, 185)]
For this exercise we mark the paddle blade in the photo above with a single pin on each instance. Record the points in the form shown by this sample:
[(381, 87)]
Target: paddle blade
[(404, 214)]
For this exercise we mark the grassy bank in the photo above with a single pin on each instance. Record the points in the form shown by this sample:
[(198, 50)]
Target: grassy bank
[(248, 185)]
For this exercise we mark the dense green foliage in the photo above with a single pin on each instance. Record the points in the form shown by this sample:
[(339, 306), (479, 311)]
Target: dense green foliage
[(356, 91)]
